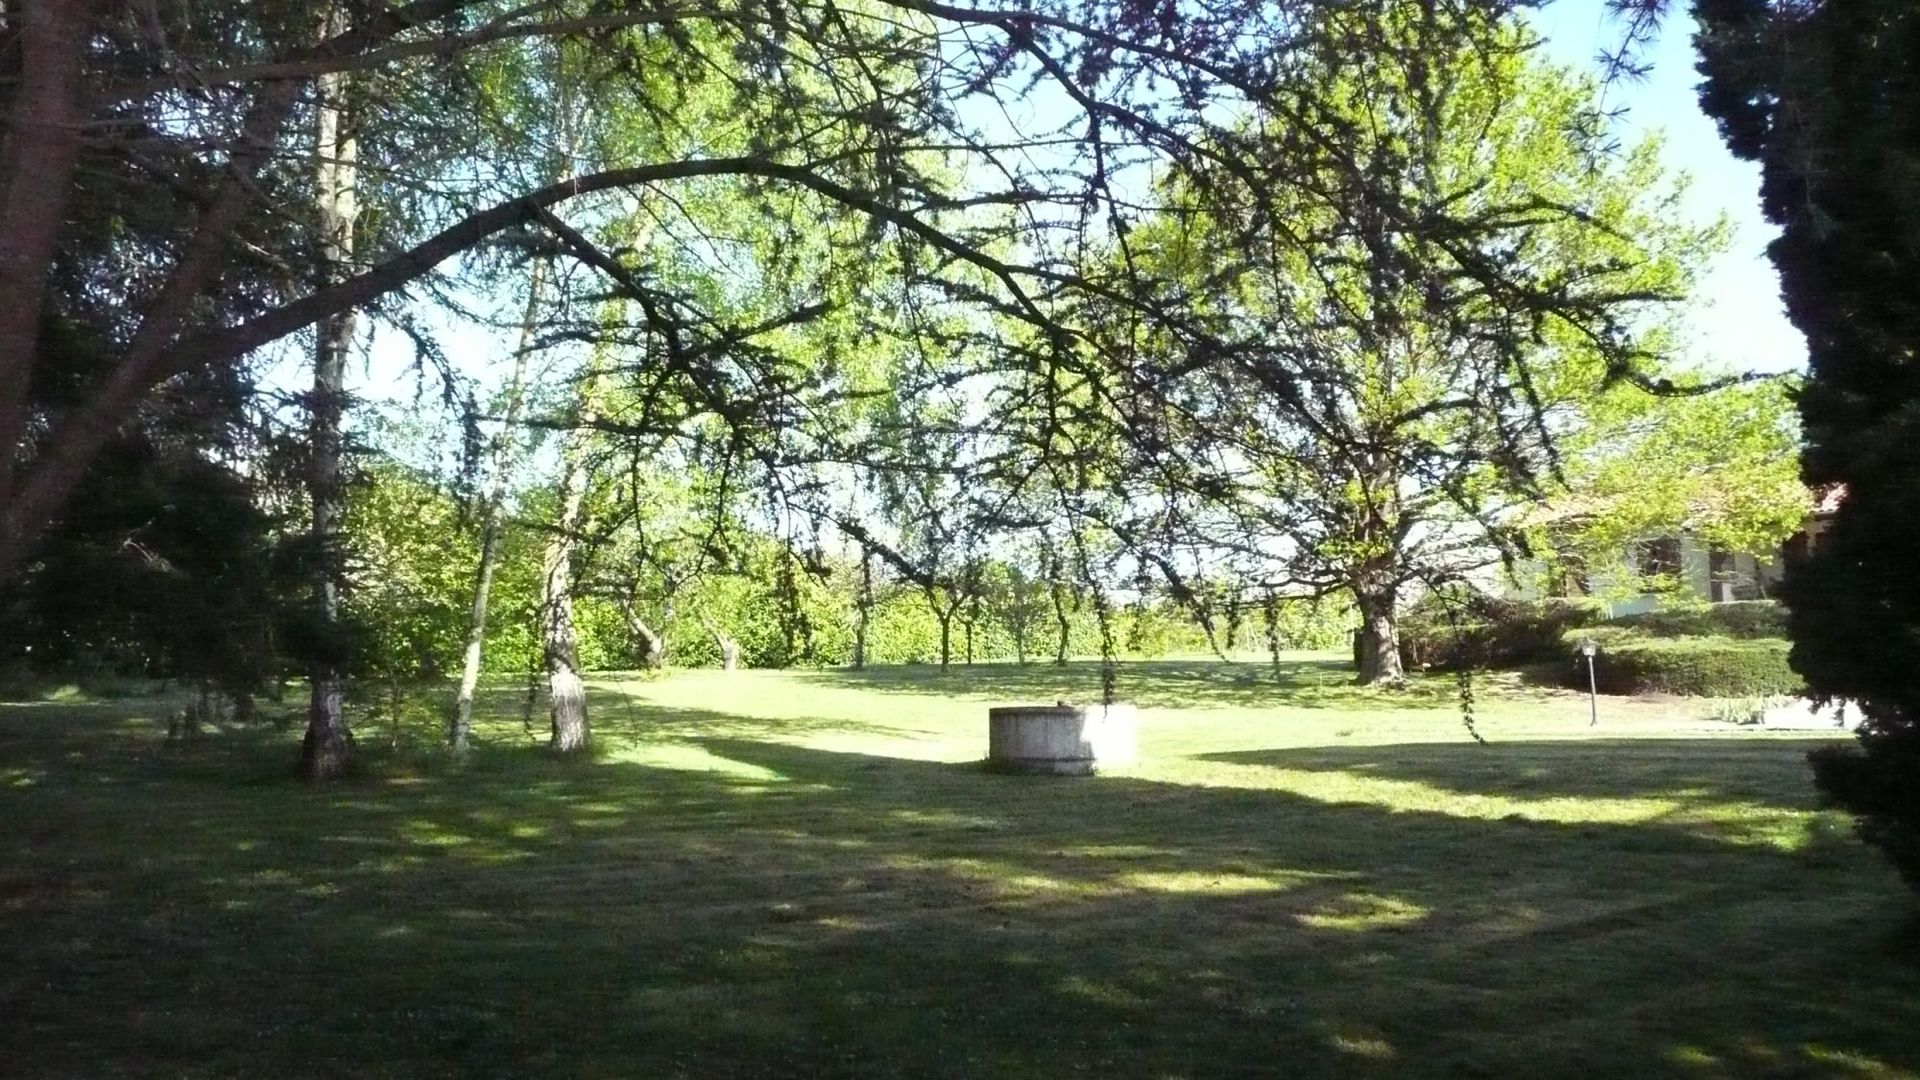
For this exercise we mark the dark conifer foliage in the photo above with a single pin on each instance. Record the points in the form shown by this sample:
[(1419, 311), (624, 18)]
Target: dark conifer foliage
[(1826, 97)]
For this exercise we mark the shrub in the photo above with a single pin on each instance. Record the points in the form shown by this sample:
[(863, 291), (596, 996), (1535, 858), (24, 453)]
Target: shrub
[(1489, 632), (1745, 619), (1709, 667)]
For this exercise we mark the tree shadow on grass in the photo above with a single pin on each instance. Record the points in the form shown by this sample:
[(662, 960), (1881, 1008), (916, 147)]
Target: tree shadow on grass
[(807, 913), (1766, 771), (1299, 684)]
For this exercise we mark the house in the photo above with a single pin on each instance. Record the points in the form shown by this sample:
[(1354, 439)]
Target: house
[(1702, 571)]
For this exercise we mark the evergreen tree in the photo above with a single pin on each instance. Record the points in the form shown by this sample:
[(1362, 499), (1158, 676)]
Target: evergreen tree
[(1826, 98)]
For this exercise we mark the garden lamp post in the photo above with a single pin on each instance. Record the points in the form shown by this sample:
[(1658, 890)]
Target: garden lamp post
[(1588, 649)]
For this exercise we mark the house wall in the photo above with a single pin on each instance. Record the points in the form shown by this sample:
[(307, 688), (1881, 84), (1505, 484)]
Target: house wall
[(1744, 577), (1696, 567), (1696, 574)]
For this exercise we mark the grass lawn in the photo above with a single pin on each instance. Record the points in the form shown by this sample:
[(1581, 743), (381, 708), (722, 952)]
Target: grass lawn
[(800, 874)]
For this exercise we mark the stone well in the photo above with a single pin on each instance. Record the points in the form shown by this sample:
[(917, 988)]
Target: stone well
[(1064, 740)]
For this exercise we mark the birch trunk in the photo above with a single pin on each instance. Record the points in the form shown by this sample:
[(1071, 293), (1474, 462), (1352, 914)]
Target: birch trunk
[(460, 729), (566, 693), (729, 648), (327, 750)]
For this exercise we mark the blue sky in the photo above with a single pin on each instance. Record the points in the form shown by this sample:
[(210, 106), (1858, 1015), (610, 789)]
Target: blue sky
[(1737, 320)]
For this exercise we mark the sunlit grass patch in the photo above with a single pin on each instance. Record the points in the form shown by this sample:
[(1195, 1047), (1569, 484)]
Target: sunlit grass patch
[(1201, 881), (1361, 911), (688, 756)]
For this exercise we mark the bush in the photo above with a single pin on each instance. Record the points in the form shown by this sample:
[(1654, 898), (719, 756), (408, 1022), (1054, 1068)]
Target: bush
[(1489, 632), (1746, 619), (1710, 667)]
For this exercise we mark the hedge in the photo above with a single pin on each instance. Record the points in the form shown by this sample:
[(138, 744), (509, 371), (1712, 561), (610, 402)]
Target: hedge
[(1743, 619), (1492, 633), (1708, 667)]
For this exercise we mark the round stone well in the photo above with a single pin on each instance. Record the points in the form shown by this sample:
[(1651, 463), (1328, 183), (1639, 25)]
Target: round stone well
[(1062, 739)]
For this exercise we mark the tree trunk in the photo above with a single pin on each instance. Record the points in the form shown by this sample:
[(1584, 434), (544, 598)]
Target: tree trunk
[(37, 161), (327, 749), (566, 693), (864, 611), (1378, 650), (946, 637), (1060, 618), (652, 651), (460, 729), (729, 648)]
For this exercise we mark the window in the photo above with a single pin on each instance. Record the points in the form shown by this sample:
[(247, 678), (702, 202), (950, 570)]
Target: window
[(1660, 557)]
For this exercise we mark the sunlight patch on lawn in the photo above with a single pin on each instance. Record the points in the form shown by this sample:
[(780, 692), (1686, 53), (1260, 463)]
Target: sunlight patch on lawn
[(1852, 1062), (1733, 821), (1006, 879), (22, 777), (1106, 993), (428, 834), (946, 819), (801, 836), (690, 757), (1360, 912), (1694, 1057), (1200, 881), (1360, 1044), (1113, 851)]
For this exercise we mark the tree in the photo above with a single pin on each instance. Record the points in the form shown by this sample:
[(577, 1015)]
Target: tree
[(1826, 98), (169, 567), (1394, 405), (402, 598), (503, 459), (328, 747), (1019, 601)]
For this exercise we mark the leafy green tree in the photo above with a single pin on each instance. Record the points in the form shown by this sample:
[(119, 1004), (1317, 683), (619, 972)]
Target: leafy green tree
[(1019, 601), (402, 599), (1393, 402)]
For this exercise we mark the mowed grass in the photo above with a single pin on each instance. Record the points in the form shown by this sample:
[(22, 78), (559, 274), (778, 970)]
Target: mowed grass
[(803, 874)]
